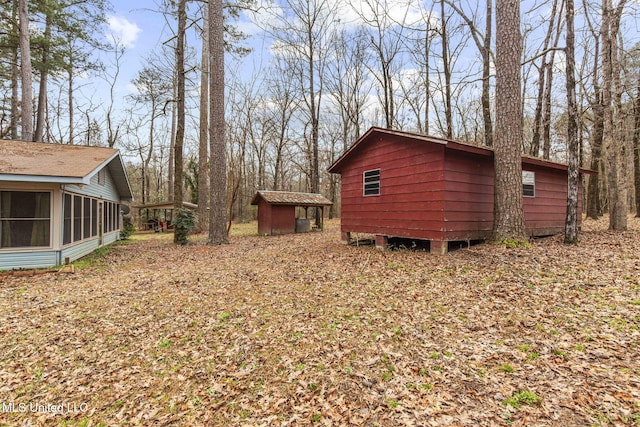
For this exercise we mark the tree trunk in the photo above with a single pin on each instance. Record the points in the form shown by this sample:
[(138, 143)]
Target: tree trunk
[(42, 91), (508, 210), (180, 106), (203, 147), (636, 149), (15, 78), (486, 76), (26, 72), (447, 73), (616, 186), (571, 224), (218, 152)]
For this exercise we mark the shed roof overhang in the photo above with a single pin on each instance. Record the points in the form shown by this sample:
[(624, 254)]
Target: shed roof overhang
[(289, 198), (166, 205)]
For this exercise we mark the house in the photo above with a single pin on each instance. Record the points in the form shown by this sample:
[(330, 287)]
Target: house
[(401, 184), (58, 202), (277, 211)]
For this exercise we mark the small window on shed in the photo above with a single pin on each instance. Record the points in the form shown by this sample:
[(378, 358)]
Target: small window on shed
[(528, 184), (371, 182)]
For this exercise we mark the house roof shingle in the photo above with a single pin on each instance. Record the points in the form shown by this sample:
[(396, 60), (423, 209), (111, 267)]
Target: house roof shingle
[(71, 164)]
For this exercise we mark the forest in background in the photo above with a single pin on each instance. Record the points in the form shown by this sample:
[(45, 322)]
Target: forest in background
[(332, 70)]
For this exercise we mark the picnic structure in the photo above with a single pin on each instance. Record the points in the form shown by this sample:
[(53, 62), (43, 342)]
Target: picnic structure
[(159, 216), (277, 211), (408, 185), (58, 202)]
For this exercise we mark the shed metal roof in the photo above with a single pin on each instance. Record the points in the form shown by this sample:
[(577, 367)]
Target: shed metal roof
[(166, 205), (24, 161), (368, 136), (290, 198)]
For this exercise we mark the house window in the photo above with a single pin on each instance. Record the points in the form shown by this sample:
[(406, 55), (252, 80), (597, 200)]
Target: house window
[(25, 219), (102, 176), (528, 184), (371, 182)]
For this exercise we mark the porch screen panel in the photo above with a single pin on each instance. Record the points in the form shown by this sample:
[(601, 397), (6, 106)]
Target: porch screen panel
[(94, 217), (68, 215), (25, 219), (86, 233), (77, 218)]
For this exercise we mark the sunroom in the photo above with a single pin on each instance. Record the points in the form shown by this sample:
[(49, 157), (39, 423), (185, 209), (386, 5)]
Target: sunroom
[(58, 202)]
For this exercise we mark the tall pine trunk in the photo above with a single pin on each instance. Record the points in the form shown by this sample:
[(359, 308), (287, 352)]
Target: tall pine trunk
[(508, 221), (218, 152), (26, 71)]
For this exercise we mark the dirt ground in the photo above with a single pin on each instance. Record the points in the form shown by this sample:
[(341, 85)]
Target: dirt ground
[(302, 330)]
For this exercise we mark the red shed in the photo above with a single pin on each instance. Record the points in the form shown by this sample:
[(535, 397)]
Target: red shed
[(277, 210), (401, 184)]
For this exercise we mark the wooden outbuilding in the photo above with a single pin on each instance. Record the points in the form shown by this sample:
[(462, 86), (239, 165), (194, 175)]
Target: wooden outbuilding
[(277, 211), (401, 184), (159, 216)]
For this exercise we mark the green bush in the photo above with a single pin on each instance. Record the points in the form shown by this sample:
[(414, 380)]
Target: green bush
[(184, 221), (128, 229)]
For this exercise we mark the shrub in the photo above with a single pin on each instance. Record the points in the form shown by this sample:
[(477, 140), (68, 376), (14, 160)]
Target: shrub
[(128, 228), (184, 221)]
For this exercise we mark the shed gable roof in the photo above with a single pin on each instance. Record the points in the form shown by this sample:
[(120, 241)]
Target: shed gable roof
[(365, 139), (65, 164), (290, 198)]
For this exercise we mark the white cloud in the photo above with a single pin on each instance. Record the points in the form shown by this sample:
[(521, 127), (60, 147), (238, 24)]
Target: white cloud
[(123, 31)]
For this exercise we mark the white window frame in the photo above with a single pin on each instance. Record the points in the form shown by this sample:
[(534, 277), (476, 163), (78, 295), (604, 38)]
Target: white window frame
[(365, 183), (529, 179)]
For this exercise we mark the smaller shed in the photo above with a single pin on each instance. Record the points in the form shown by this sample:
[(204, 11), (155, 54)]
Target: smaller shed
[(159, 216), (277, 211)]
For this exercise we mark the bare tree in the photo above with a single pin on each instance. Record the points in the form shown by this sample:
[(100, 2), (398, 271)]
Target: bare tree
[(154, 91), (483, 43), (571, 223), (613, 141), (508, 209), (203, 146), (178, 197)]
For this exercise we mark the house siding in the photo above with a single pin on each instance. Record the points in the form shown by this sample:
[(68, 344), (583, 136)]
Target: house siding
[(106, 191), (12, 258), (79, 249), (33, 259)]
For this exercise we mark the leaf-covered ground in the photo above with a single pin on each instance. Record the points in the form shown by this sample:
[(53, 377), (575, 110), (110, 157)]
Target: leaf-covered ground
[(301, 330)]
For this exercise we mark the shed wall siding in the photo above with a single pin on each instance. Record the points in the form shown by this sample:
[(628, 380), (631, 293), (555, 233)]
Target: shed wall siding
[(410, 203), (283, 219), (264, 218), (468, 195)]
